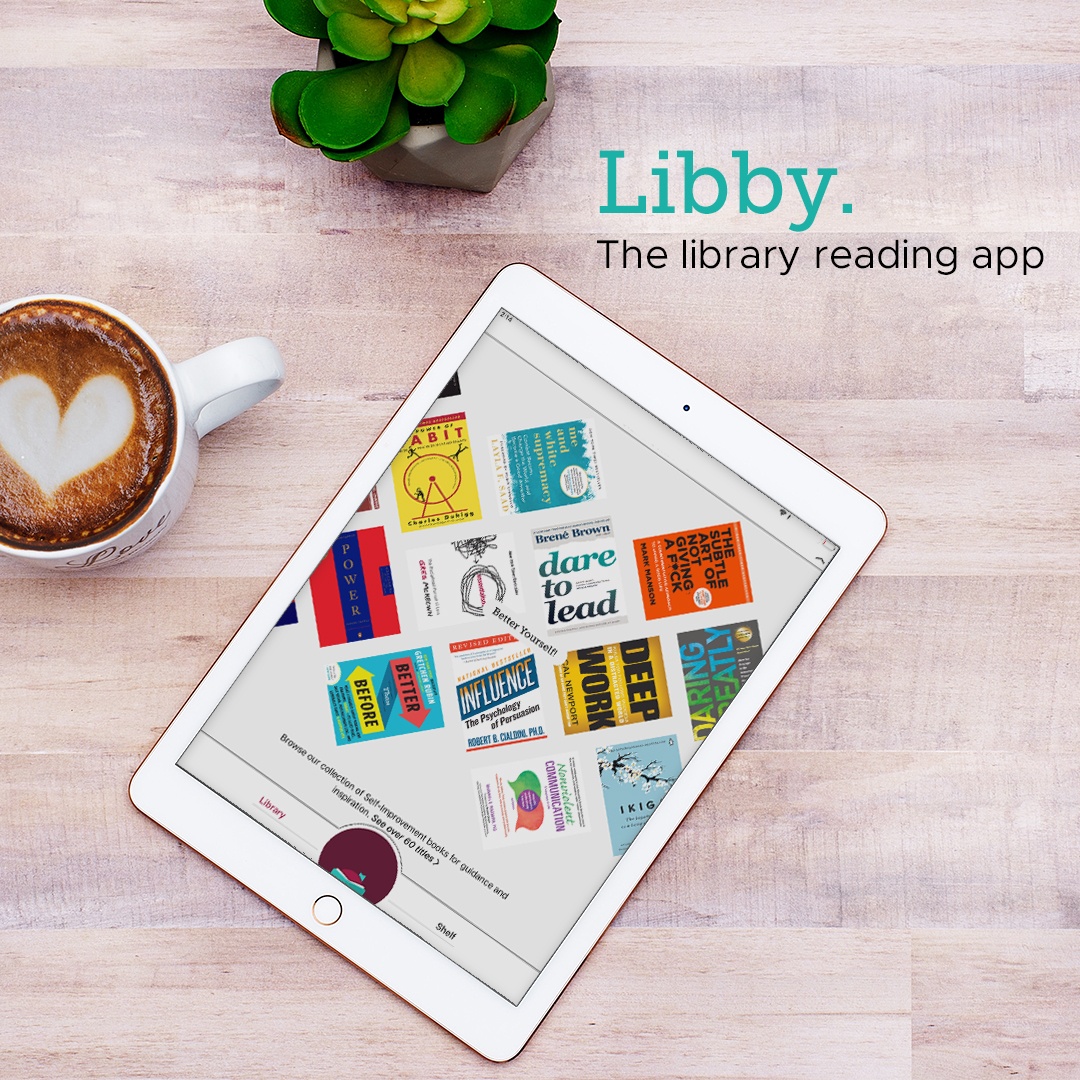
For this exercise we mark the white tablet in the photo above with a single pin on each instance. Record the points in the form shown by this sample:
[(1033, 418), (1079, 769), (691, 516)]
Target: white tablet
[(462, 722)]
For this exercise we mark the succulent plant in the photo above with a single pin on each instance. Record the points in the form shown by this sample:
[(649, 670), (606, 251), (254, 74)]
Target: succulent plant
[(473, 65)]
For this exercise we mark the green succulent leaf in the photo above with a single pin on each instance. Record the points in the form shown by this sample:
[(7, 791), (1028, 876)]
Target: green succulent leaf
[(353, 7), (414, 30), (395, 128), (440, 12), (470, 24), (522, 66), (542, 39), (391, 10), (299, 16), (481, 108), (347, 106), (285, 103), (521, 14), (364, 39), (430, 73)]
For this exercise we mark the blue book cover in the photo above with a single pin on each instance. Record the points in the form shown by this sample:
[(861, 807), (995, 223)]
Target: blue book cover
[(716, 662), (544, 467), (382, 696), (635, 776)]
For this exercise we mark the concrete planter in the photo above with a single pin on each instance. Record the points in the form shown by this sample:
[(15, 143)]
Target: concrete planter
[(427, 155)]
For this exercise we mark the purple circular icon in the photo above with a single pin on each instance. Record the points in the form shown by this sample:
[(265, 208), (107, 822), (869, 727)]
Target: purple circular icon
[(363, 859), (528, 800)]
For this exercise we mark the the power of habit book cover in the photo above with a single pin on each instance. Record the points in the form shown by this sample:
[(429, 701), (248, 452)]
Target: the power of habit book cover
[(434, 479)]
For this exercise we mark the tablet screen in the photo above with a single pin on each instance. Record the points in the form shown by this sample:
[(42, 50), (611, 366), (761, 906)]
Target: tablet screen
[(504, 661)]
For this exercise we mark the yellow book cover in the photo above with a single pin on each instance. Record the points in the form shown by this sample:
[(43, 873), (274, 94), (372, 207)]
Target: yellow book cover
[(434, 479), (610, 685)]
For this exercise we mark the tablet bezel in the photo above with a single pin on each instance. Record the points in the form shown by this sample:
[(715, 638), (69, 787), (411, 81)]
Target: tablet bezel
[(369, 938)]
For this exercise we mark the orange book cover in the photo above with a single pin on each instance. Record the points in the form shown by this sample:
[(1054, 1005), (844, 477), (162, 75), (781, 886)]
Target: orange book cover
[(695, 570)]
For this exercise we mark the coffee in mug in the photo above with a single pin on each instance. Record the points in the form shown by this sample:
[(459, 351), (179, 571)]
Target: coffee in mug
[(87, 426), (99, 433)]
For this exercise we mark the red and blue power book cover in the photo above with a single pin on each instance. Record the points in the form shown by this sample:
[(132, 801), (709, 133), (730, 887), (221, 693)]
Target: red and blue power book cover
[(352, 590)]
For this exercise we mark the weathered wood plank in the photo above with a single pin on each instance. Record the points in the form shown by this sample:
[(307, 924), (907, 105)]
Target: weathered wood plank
[(744, 1005), (1051, 340), (875, 840), (780, 838), (117, 33), (995, 486), (216, 33), (971, 488), (911, 663), (197, 199), (81, 856), (995, 1004), (101, 665), (903, 664), (361, 313), (971, 151)]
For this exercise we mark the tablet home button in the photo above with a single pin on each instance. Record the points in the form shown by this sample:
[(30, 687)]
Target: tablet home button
[(327, 910)]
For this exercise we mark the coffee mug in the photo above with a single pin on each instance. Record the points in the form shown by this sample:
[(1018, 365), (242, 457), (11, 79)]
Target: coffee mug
[(99, 433)]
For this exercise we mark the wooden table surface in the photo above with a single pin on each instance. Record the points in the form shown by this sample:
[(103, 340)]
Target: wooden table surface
[(884, 879)]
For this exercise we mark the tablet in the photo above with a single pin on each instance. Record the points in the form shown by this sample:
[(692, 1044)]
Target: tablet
[(494, 677)]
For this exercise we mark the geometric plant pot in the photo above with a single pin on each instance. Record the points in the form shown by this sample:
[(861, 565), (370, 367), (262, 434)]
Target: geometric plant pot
[(427, 155)]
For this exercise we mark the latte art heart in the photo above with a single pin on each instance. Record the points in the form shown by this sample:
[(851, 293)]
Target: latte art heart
[(54, 449)]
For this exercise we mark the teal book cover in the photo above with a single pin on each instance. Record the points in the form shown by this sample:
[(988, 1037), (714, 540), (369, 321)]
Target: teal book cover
[(545, 467), (635, 776)]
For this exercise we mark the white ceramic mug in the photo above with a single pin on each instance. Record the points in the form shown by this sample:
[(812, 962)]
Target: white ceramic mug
[(206, 391)]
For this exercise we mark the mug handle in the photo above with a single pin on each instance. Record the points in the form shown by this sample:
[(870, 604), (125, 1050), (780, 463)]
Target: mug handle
[(221, 383)]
